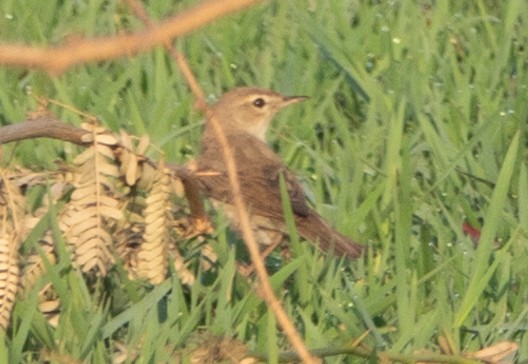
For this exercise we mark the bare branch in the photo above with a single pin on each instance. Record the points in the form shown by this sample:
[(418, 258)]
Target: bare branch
[(57, 59), (43, 126)]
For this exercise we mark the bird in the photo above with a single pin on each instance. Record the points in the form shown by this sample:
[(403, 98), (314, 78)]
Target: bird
[(245, 114)]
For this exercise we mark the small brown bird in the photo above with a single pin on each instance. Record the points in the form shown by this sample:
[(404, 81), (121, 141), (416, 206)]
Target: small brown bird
[(245, 114)]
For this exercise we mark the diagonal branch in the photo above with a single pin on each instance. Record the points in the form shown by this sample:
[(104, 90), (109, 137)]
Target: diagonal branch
[(42, 126), (57, 59)]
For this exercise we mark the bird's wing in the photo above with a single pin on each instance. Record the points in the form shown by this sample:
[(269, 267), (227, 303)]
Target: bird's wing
[(295, 190), (259, 170)]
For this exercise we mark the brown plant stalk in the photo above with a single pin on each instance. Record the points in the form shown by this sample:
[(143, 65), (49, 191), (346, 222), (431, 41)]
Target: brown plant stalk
[(58, 58)]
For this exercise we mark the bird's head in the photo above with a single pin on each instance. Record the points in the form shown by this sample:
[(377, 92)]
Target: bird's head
[(251, 109)]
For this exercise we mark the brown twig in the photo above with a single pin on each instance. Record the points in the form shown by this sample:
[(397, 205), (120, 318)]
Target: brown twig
[(42, 126), (57, 59)]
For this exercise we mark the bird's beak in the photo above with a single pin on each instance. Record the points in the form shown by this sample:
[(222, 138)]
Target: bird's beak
[(288, 100)]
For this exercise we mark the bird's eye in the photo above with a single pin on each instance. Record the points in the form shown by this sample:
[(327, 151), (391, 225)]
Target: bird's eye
[(259, 102)]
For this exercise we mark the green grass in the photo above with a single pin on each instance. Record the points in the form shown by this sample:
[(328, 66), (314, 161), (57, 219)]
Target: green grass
[(404, 96)]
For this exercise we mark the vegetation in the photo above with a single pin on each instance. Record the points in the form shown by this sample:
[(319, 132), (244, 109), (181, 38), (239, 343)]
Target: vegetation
[(416, 124)]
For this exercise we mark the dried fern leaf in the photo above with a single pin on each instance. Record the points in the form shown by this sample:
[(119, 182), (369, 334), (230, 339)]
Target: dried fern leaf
[(12, 230), (9, 276), (152, 256), (93, 207)]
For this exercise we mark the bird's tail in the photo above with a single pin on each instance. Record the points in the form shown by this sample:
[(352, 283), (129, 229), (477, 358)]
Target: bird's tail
[(313, 228)]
